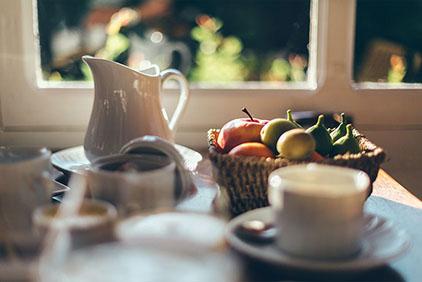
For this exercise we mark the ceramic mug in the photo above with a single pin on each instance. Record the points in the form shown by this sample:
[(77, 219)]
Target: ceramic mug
[(154, 145), (133, 183), (24, 185), (93, 224), (318, 209)]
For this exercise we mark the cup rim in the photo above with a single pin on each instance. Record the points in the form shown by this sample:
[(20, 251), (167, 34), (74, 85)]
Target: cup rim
[(34, 154), (169, 164), (361, 179), (39, 217)]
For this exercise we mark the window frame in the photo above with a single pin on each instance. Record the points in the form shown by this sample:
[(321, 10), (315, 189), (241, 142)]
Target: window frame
[(32, 114)]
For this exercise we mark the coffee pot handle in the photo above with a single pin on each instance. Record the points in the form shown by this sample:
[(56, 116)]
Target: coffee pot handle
[(183, 98)]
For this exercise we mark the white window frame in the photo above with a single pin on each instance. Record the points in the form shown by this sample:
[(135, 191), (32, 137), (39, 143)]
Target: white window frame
[(36, 114)]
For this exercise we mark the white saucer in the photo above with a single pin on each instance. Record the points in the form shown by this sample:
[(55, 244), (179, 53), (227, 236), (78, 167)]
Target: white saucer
[(381, 242), (73, 159)]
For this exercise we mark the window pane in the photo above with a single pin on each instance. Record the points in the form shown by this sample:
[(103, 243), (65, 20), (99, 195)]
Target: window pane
[(212, 41), (388, 41)]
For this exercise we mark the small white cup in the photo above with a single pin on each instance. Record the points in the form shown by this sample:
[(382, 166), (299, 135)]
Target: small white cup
[(154, 145), (152, 187), (318, 209), (93, 224)]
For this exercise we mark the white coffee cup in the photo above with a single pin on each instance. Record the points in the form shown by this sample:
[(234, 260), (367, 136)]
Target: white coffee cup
[(318, 209), (151, 187), (24, 185)]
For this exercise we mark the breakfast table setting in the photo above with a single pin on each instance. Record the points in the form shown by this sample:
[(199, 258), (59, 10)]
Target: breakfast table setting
[(268, 200)]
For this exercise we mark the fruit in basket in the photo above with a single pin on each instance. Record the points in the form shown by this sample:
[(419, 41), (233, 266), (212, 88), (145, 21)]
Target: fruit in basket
[(296, 144), (256, 149), (239, 131), (272, 131), (290, 118), (340, 130), (315, 157), (321, 136), (347, 143)]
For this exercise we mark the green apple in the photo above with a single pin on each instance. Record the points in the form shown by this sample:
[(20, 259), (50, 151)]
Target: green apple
[(296, 144), (272, 131)]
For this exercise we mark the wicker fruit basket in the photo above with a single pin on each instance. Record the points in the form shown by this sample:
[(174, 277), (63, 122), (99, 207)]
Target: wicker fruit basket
[(245, 179)]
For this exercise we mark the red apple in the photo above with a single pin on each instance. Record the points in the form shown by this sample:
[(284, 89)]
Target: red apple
[(255, 149), (240, 131)]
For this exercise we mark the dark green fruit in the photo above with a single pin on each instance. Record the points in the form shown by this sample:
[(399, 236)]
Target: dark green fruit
[(340, 130), (321, 136), (347, 143), (296, 144), (290, 118), (273, 130)]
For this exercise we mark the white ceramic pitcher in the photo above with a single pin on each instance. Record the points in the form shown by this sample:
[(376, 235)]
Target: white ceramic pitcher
[(127, 105)]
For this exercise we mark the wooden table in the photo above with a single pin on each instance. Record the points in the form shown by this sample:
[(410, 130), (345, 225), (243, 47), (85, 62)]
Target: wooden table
[(389, 200)]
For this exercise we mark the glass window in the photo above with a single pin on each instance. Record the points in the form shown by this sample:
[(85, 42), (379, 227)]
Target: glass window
[(209, 41), (388, 41)]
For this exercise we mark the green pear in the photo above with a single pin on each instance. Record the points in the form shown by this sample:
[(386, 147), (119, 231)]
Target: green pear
[(273, 130), (347, 143), (321, 136), (296, 144)]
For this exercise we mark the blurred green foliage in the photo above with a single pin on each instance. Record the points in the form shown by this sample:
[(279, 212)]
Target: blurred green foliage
[(115, 45), (218, 58)]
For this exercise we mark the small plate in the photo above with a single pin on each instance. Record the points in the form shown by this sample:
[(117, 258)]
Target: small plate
[(199, 228), (73, 159), (381, 242), (151, 259)]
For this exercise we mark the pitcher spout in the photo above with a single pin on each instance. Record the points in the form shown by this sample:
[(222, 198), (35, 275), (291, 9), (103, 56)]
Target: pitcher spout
[(99, 64)]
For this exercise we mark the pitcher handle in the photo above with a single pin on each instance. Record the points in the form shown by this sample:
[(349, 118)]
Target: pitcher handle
[(183, 98)]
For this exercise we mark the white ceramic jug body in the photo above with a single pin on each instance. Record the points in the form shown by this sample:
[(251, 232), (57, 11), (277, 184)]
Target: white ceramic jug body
[(127, 105)]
